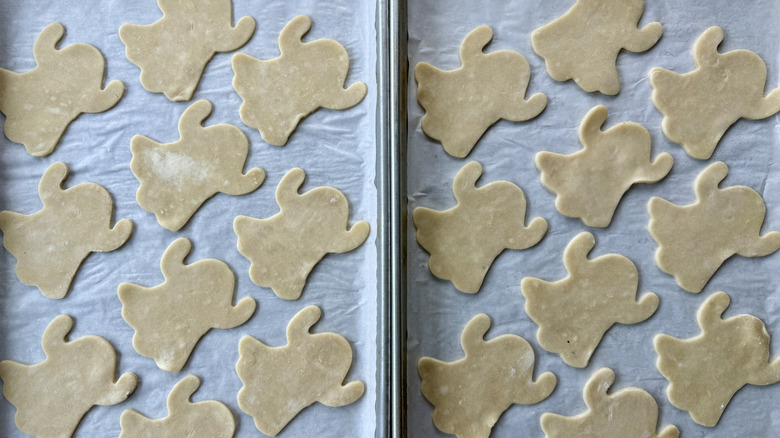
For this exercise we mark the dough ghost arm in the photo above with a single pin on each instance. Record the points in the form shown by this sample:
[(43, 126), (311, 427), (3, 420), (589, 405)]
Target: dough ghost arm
[(643, 39)]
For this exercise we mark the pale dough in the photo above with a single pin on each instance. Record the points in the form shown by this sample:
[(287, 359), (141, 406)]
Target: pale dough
[(590, 183), (173, 51), (464, 240), (279, 382), (705, 371), (206, 419), (177, 178), (460, 105), (40, 104), (698, 107), (584, 43), (169, 319), (574, 313), (694, 240), (50, 245), (629, 412), (278, 93), (52, 396), (285, 248), (470, 394)]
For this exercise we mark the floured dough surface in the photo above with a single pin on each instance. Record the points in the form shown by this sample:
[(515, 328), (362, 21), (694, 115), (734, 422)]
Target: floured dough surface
[(705, 371), (169, 319), (698, 107), (590, 183), (629, 412), (177, 178), (694, 240), (205, 419), (173, 51), (574, 313), (279, 382), (40, 104), (278, 93), (460, 105), (470, 394), (50, 245), (464, 240), (51, 396), (285, 248), (584, 43)]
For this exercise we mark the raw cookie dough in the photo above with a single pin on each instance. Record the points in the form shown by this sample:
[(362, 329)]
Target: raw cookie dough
[(285, 248), (464, 240), (177, 178), (694, 240), (460, 105), (698, 107), (470, 394), (170, 319), (590, 183), (52, 396), (50, 245), (279, 382), (206, 419), (280, 92), (173, 51), (705, 371), (629, 412), (574, 313), (584, 43), (40, 104)]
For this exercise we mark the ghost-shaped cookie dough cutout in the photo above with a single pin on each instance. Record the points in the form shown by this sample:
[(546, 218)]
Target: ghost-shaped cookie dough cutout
[(177, 178), (584, 43), (470, 394), (285, 248), (705, 371), (694, 240), (629, 412), (40, 104), (51, 396), (699, 106), (464, 240), (574, 313), (590, 183), (279, 382), (50, 245), (169, 319), (205, 419), (173, 51), (460, 105), (278, 93)]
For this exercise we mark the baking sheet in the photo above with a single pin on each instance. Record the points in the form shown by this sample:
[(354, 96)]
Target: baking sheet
[(437, 312), (335, 148)]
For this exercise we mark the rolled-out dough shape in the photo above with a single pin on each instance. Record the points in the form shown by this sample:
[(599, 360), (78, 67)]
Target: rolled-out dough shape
[(590, 183), (470, 394), (694, 240), (177, 178), (173, 51), (584, 43), (460, 105), (698, 107), (170, 319), (40, 104), (50, 245), (628, 413), (279, 382), (206, 419), (51, 396), (464, 240), (278, 93), (705, 371)]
